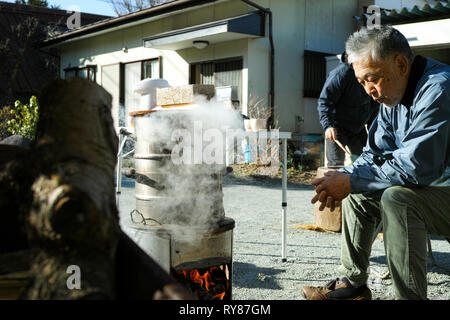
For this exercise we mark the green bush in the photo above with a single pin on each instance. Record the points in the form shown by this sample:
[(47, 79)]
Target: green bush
[(5, 116), (25, 118)]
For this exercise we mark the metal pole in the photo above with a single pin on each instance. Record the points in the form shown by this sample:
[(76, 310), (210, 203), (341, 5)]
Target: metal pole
[(119, 163), (284, 202)]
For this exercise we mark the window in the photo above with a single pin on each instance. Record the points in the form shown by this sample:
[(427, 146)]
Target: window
[(130, 74), (87, 72), (151, 68), (219, 73), (314, 73)]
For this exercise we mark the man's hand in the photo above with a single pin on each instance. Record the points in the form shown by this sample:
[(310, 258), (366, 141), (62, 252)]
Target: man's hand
[(331, 133), (331, 189)]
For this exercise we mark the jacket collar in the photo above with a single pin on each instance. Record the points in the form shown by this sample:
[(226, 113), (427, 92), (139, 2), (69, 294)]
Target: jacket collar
[(417, 70)]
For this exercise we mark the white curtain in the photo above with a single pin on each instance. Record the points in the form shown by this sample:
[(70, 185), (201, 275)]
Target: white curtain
[(132, 77)]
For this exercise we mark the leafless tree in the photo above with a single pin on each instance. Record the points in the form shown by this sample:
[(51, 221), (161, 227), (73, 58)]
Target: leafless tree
[(21, 63), (122, 7)]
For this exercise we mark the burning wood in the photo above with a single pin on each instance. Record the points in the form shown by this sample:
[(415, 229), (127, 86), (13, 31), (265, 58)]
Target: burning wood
[(207, 283)]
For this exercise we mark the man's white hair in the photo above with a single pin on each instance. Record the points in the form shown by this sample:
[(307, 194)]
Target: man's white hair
[(377, 43)]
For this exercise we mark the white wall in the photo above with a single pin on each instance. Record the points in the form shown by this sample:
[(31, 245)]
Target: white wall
[(328, 25), (289, 23)]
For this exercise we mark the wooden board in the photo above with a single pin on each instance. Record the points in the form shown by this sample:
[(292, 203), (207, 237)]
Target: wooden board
[(12, 284), (169, 106)]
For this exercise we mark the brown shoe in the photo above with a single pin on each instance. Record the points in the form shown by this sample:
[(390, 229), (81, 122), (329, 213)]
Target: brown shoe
[(338, 289)]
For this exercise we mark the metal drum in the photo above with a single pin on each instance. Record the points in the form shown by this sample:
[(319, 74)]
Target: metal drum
[(188, 194), (199, 247)]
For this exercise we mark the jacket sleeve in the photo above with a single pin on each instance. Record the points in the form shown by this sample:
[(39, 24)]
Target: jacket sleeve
[(329, 97), (423, 155)]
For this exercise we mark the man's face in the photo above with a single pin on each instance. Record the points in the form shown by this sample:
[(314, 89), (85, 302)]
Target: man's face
[(385, 80)]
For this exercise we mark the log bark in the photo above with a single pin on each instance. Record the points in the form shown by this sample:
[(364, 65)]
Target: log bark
[(73, 220), (63, 191), (15, 198)]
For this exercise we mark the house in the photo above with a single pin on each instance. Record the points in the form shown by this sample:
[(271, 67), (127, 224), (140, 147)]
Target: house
[(165, 41), (26, 69), (270, 50)]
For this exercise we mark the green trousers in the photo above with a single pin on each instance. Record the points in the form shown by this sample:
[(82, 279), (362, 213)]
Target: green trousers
[(408, 215)]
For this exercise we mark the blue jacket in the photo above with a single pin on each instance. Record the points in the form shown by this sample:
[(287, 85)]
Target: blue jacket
[(409, 144), (343, 103)]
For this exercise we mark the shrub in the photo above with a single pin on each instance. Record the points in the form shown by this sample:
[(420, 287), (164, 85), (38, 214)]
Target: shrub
[(5, 116), (25, 118)]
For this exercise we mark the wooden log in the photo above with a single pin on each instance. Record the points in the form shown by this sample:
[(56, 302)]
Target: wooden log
[(14, 273), (12, 284), (15, 198), (73, 219), (327, 219)]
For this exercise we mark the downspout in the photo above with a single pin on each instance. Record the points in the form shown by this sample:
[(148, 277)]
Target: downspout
[(270, 121)]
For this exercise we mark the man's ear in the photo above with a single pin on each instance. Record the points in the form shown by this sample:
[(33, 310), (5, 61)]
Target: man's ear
[(401, 63)]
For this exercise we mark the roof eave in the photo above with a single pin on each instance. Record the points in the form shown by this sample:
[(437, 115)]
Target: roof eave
[(125, 21)]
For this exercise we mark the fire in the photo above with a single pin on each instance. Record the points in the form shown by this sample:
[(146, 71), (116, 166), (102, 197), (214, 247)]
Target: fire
[(219, 296), (205, 280)]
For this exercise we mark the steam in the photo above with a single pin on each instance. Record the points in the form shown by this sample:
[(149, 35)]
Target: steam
[(193, 140)]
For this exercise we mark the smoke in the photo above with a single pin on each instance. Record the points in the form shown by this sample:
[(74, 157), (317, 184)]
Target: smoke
[(183, 150)]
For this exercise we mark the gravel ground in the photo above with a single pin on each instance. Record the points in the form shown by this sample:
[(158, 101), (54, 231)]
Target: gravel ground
[(312, 257)]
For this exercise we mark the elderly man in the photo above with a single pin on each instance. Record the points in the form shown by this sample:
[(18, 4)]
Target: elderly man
[(403, 174)]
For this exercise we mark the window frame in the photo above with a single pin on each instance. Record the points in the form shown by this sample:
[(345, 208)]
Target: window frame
[(193, 65), (160, 71), (122, 74), (91, 69), (193, 68)]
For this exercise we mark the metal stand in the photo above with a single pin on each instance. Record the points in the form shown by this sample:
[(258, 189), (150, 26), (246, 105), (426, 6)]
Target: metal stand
[(123, 136), (283, 136), (284, 202)]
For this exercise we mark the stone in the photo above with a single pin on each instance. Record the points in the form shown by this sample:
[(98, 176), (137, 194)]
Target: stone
[(17, 140), (183, 94)]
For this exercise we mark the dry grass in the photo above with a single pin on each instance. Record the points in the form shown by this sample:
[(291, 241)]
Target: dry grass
[(293, 175)]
